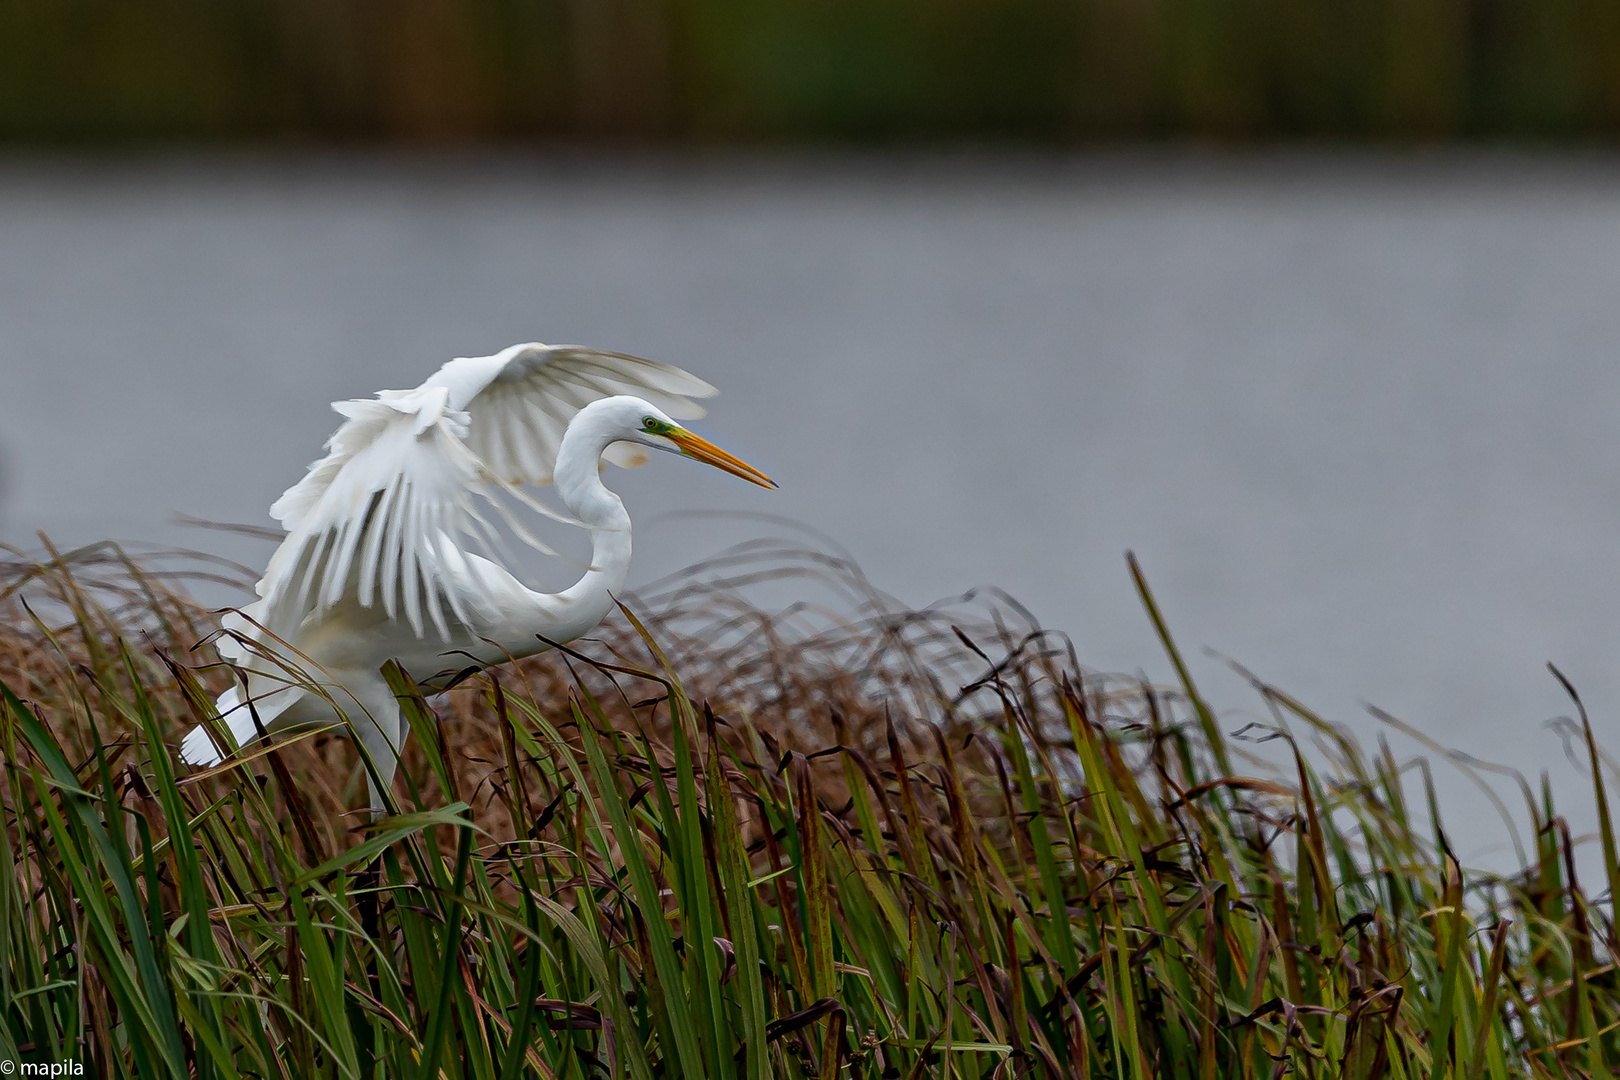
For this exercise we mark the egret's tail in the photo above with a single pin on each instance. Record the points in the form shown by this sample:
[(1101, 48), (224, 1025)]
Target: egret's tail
[(198, 747)]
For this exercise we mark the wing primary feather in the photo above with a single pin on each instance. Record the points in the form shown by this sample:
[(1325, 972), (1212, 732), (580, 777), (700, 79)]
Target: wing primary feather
[(522, 531), (547, 438), (456, 565), (494, 544), (481, 532), (425, 586), (315, 557), (605, 385), (495, 449), (377, 526), (679, 407), (432, 583), (542, 509), (509, 437), (638, 370), (346, 539), (517, 439), (573, 394), (411, 593), (532, 445), (388, 575)]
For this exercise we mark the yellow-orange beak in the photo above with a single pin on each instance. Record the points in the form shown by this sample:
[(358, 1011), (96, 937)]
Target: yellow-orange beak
[(705, 451)]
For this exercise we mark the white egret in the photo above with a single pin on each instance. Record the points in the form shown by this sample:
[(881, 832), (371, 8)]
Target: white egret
[(381, 559)]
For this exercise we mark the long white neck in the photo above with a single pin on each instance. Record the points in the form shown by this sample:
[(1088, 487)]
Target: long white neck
[(579, 483)]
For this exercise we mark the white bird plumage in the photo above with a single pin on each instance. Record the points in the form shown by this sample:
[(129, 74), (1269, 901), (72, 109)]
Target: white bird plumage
[(391, 554)]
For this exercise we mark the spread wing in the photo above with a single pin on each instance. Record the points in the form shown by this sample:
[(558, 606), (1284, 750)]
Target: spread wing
[(391, 513), (518, 418)]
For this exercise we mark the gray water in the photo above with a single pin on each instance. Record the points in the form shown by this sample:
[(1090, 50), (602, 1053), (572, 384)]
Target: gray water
[(1356, 414)]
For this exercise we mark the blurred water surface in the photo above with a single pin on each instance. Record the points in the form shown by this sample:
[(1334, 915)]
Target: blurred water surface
[(1356, 413)]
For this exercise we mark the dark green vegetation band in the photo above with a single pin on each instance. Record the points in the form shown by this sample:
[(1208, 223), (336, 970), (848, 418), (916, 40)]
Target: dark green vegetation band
[(751, 70)]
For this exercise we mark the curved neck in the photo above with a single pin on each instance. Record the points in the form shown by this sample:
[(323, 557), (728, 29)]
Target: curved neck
[(579, 483)]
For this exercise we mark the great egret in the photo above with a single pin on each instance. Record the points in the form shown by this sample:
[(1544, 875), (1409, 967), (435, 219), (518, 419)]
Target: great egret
[(381, 560)]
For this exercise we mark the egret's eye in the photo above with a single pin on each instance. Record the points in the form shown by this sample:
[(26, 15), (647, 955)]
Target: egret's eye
[(653, 425)]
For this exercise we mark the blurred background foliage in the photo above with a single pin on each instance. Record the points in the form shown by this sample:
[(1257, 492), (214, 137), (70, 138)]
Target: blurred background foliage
[(729, 71)]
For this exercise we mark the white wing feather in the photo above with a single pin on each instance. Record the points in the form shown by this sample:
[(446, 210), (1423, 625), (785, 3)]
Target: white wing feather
[(382, 518), (519, 417)]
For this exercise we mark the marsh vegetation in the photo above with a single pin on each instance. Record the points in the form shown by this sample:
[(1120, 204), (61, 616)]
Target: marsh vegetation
[(712, 841)]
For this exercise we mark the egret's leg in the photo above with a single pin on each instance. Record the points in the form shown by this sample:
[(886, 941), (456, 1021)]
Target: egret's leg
[(378, 725)]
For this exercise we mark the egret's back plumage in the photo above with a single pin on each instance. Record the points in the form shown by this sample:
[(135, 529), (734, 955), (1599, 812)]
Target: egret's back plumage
[(394, 544)]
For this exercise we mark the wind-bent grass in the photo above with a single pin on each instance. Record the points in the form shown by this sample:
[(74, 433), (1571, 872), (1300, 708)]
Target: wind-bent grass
[(790, 847)]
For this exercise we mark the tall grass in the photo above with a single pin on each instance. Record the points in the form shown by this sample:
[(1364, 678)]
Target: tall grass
[(724, 70), (713, 843)]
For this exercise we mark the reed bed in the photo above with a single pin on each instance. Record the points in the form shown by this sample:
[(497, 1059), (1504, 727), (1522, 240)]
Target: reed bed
[(711, 842)]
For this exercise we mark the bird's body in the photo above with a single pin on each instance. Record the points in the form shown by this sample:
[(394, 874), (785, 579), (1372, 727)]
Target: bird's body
[(379, 561)]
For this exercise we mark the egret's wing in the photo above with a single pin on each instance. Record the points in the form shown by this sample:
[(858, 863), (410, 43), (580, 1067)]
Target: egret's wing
[(519, 416), (386, 513), (384, 516)]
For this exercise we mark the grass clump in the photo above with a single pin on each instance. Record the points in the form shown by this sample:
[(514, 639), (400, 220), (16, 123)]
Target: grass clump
[(712, 843)]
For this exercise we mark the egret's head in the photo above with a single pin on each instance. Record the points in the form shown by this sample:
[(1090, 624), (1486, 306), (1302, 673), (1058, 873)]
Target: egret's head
[(651, 426)]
